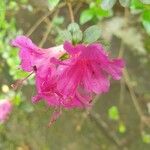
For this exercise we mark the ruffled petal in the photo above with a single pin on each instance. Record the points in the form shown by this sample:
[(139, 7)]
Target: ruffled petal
[(114, 68), (73, 49)]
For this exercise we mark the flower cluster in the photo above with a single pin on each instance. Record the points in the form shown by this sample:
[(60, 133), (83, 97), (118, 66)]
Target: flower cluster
[(72, 82), (5, 109)]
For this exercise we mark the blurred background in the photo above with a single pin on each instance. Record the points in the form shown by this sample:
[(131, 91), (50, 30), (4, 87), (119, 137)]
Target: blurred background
[(119, 119)]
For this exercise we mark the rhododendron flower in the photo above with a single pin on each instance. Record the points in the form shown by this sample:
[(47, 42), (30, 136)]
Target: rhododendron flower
[(5, 109), (72, 82), (89, 67), (32, 56)]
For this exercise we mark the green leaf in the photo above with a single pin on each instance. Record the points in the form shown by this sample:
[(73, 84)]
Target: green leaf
[(53, 3), (124, 3), (113, 113), (107, 4), (146, 137), (77, 37), (86, 16), (146, 20), (136, 4), (2, 14), (91, 34), (65, 35), (17, 99), (122, 128), (145, 1), (58, 20), (75, 31), (73, 27)]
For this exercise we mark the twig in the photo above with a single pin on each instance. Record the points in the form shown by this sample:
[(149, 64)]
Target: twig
[(68, 2), (102, 125), (133, 96), (34, 27), (45, 35), (49, 27)]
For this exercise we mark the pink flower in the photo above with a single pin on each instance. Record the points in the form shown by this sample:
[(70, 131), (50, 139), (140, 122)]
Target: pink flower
[(72, 82), (5, 109), (32, 57), (88, 68)]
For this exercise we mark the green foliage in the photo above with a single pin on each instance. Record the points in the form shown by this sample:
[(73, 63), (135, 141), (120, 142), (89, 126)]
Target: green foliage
[(137, 5), (113, 113), (124, 3), (145, 1), (9, 54), (107, 4), (58, 21), (65, 35), (94, 13), (91, 34), (53, 3), (76, 33), (73, 34), (142, 6), (86, 16), (146, 20), (17, 99), (121, 128), (146, 137)]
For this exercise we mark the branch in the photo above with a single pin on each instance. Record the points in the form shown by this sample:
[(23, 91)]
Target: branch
[(34, 27), (68, 2)]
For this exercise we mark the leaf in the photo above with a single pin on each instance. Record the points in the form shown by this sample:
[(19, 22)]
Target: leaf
[(107, 4), (136, 4), (65, 35), (2, 13), (58, 20), (145, 1), (75, 31), (91, 34), (146, 20), (146, 137), (53, 3), (113, 113), (122, 128), (124, 3), (77, 37), (86, 16), (73, 27)]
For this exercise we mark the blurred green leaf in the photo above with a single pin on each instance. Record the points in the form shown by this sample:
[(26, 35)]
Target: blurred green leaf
[(107, 4), (146, 20), (146, 137), (58, 20), (2, 14), (91, 34), (99, 12), (75, 31), (73, 27), (53, 3), (24, 1), (145, 1), (86, 16), (65, 35), (77, 36), (124, 3), (136, 4), (17, 100), (27, 107), (13, 6), (113, 113), (122, 127)]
